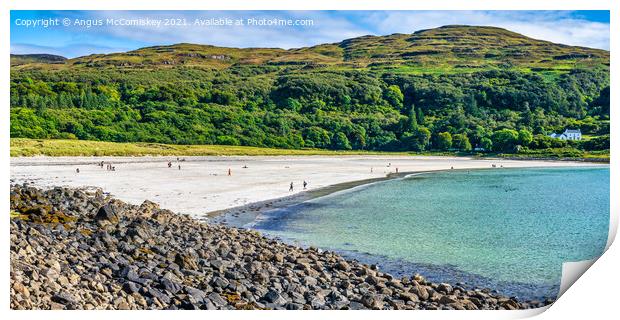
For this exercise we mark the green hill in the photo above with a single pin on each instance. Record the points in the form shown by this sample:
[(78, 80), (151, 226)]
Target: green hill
[(474, 86), (448, 48), (21, 59)]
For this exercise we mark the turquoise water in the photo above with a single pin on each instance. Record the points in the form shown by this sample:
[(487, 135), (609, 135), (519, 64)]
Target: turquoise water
[(507, 229)]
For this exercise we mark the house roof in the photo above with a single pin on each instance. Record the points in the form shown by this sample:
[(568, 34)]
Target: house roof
[(573, 131)]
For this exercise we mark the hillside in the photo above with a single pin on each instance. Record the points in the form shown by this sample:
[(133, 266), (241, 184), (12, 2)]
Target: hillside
[(449, 48), (454, 87), (21, 59)]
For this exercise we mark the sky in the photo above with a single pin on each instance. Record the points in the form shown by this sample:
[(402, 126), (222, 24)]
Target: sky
[(107, 31)]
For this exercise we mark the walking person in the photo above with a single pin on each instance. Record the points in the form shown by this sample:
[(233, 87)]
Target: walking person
[(305, 184), (229, 172), (291, 187)]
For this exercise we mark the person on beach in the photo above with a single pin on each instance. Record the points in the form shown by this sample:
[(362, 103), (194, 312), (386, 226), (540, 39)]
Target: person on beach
[(229, 172), (305, 184), (169, 164), (113, 168), (291, 187), (179, 167), (396, 170), (77, 170), (370, 169)]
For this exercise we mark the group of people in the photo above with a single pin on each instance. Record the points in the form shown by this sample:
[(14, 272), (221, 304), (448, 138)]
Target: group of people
[(108, 166), (170, 164), (292, 186)]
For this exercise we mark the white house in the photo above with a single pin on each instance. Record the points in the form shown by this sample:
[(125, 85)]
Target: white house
[(568, 134)]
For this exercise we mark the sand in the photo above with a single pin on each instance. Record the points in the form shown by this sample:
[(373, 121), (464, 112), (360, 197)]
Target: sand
[(203, 185)]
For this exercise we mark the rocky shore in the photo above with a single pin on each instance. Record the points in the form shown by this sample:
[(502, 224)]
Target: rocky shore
[(80, 249)]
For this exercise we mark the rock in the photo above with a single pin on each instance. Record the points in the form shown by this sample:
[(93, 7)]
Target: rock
[(195, 294), (144, 257), (419, 290), (309, 281), (408, 296), (278, 257), (445, 288), (121, 304), (107, 213), (220, 282), (170, 285), (159, 295), (343, 265), (373, 280), (186, 261), (217, 300), (274, 297), (370, 301), (130, 287), (64, 298), (446, 299), (21, 289)]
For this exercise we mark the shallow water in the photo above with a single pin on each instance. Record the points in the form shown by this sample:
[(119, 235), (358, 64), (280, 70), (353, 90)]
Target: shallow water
[(507, 229)]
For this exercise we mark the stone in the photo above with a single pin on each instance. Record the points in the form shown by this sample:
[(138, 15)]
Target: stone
[(445, 288), (220, 282), (107, 213), (217, 300), (130, 287), (369, 301), (343, 265), (274, 297), (64, 298), (170, 285), (446, 299)]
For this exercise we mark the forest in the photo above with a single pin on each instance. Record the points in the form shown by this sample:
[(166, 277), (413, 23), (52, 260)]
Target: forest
[(504, 109)]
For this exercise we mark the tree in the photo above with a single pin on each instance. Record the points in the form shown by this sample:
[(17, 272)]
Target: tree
[(486, 144), (341, 142), (444, 141), (394, 97), (416, 140), (505, 140), (461, 142), (413, 121), (317, 137), (525, 137)]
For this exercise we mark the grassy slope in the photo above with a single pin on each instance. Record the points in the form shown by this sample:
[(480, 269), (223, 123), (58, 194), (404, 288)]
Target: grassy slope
[(56, 148), (34, 147)]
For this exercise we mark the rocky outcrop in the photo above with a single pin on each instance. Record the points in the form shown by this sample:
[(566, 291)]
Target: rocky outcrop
[(78, 249)]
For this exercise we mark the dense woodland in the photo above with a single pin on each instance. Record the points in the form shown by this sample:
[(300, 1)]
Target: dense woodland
[(300, 106)]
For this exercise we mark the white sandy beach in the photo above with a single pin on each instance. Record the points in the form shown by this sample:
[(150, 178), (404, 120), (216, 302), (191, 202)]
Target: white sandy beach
[(203, 185)]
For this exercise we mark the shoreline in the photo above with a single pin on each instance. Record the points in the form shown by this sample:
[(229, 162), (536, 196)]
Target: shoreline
[(257, 208), (245, 217), (120, 252), (206, 189)]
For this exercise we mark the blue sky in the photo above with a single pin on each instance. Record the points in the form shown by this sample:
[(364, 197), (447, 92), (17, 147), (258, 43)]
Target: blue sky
[(584, 28)]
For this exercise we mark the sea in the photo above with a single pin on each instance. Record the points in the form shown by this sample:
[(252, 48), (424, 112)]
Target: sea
[(506, 229)]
